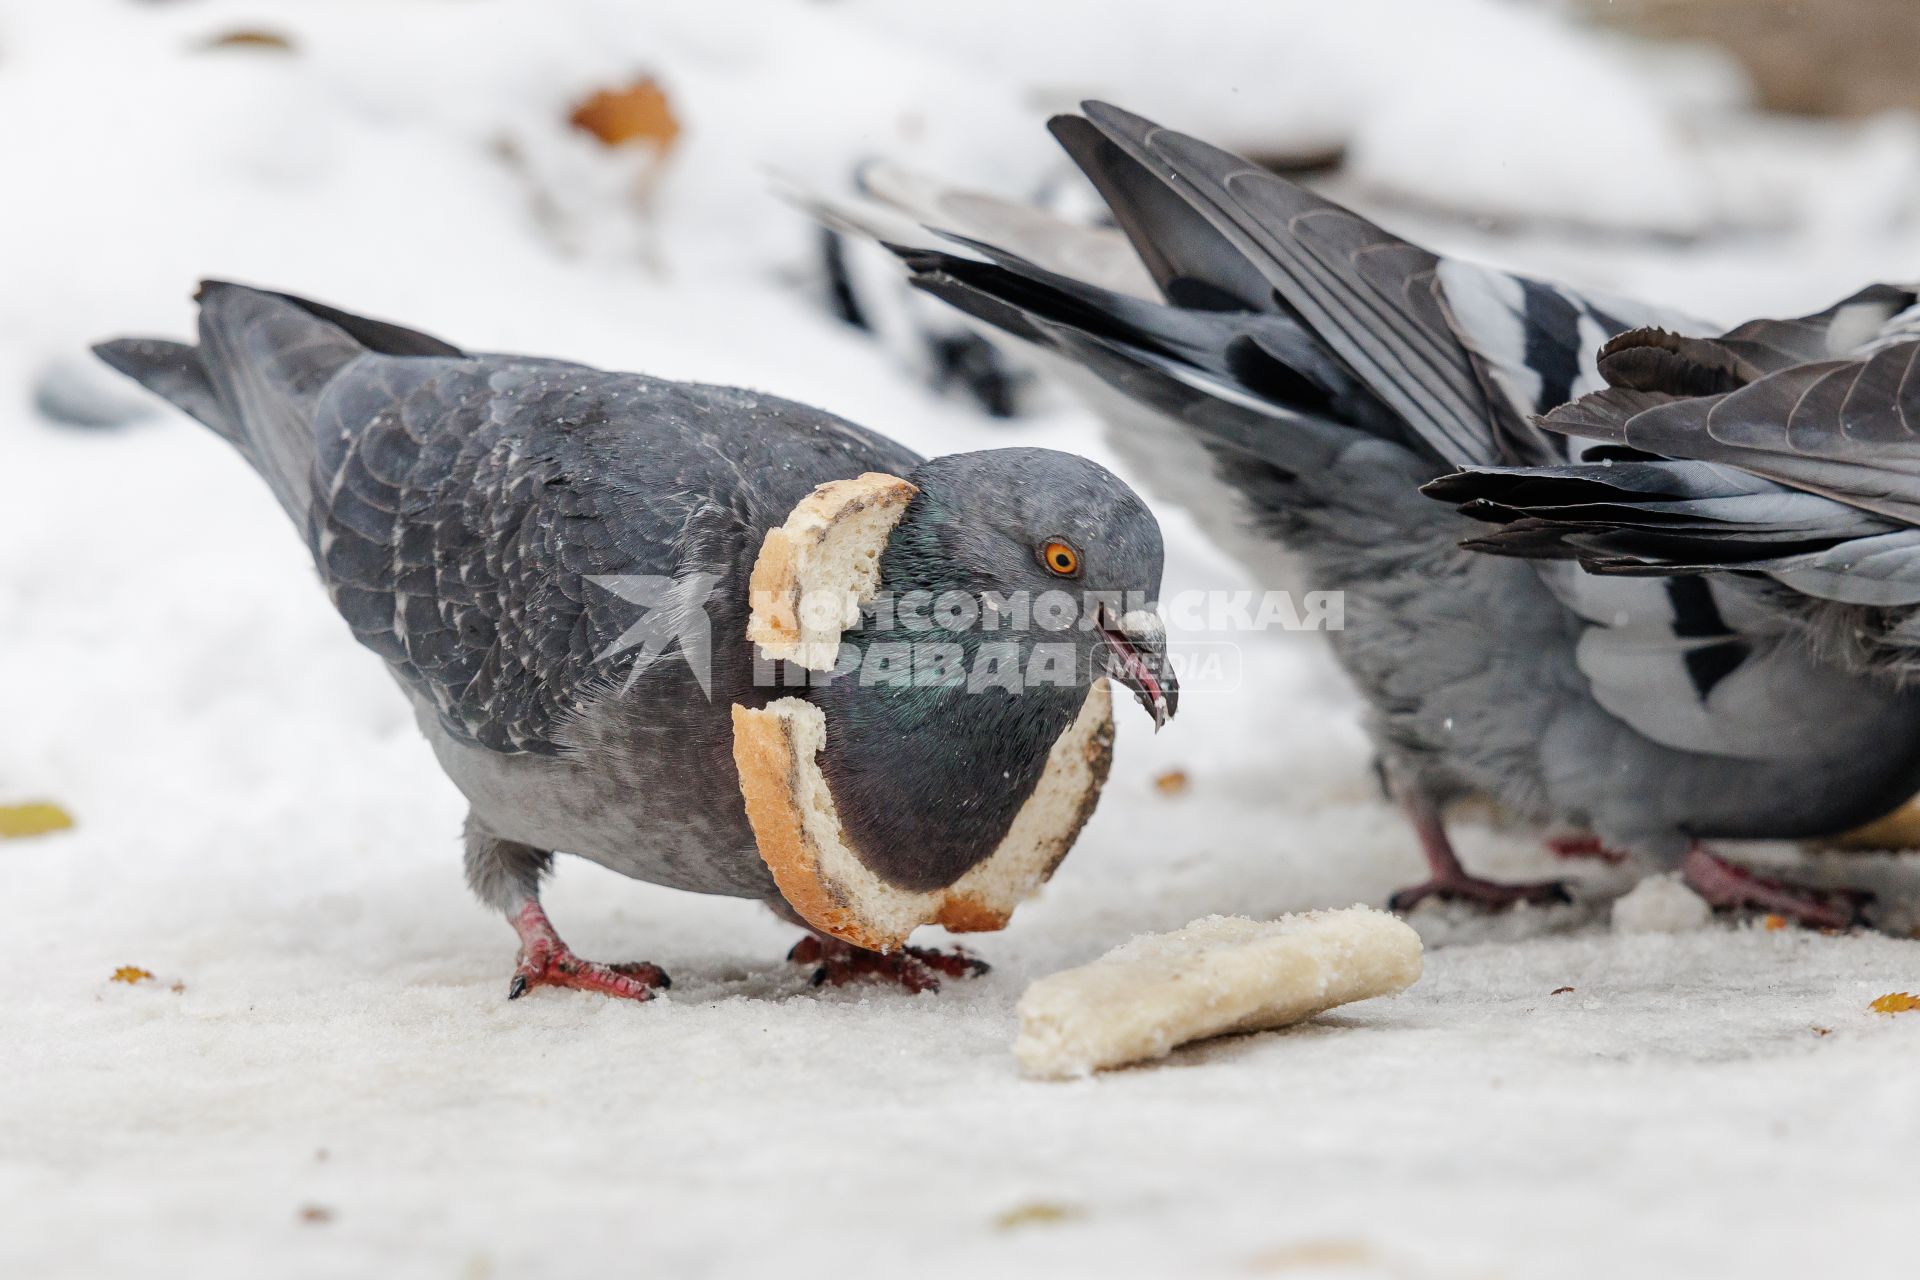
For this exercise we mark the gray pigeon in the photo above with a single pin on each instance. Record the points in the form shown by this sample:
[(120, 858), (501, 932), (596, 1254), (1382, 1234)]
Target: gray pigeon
[(554, 563), (1301, 374)]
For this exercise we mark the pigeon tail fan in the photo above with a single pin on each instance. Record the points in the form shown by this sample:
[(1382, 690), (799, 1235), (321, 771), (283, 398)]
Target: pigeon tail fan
[(257, 374)]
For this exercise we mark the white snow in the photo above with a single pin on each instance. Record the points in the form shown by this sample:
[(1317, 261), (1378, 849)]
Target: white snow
[(1661, 904), (339, 1086)]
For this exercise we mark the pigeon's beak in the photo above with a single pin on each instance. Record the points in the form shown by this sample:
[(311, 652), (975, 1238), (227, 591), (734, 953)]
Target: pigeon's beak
[(1137, 657)]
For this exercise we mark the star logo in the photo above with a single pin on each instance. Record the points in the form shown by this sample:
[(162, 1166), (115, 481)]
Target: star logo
[(673, 615)]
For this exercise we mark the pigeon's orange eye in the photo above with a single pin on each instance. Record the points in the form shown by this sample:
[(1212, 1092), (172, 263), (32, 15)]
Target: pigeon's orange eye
[(1060, 558)]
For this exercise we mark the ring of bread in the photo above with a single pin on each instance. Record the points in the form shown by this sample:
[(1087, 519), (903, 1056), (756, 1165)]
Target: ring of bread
[(829, 548), (821, 874)]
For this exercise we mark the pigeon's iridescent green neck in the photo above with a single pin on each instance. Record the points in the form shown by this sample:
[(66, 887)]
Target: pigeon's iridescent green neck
[(928, 776)]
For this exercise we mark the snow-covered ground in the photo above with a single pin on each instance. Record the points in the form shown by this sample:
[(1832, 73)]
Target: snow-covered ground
[(325, 1079)]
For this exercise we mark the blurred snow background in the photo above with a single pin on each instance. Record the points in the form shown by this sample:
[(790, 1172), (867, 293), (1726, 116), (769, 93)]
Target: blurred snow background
[(338, 1086)]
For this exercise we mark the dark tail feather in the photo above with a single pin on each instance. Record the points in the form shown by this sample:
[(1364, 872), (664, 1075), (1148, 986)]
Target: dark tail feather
[(173, 371), (256, 377)]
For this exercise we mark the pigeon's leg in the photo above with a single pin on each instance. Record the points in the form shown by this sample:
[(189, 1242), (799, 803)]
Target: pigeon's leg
[(1728, 887), (506, 876), (1446, 879), (916, 969), (1585, 846)]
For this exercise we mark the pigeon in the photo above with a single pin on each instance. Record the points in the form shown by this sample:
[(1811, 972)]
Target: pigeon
[(561, 568), (1778, 459), (1297, 378)]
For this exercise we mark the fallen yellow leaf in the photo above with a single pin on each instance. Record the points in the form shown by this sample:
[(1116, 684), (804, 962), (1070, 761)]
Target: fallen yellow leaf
[(21, 820), (1037, 1213), (1172, 783), (1775, 922), (1896, 1002), (638, 113), (270, 41), (1316, 1255), (130, 974)]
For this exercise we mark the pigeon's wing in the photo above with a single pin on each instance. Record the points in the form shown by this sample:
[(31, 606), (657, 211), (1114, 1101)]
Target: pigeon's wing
[(1537, 346), (1848, 429), (1373, 298), (1660, 509), (497, 529)]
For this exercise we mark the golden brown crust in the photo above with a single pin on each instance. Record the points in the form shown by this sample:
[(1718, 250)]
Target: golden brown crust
[(766, 756), (962, 913), (774, 593), (818, 548)]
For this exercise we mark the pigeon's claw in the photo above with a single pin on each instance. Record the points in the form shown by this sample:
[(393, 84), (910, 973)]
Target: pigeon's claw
[(915, 969), (1491, 895), (1585, 846), (1728, 887), (546, 961)]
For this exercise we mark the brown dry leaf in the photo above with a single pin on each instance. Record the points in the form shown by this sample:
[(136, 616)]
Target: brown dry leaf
[(1821, 1031), (18, 821), (130, 974), (1315, 1255), (1561, 991), (316, 1214), (639, 113), (1037, 1213), (1173, 782), (268, 41), (1896, 1002)]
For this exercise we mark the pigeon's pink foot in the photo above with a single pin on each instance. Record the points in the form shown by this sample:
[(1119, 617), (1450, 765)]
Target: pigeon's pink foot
[(1448, 881), (1584, 846), (545, 961), (1728, 887), (916, 969), (1490, 894)]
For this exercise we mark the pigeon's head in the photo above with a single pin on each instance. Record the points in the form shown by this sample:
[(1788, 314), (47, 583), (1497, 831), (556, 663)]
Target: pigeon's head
[(1059, 556)]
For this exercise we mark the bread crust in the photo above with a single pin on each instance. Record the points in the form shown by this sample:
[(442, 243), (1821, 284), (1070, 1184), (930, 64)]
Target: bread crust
[(830, 544), (826, 881), (767, 757)]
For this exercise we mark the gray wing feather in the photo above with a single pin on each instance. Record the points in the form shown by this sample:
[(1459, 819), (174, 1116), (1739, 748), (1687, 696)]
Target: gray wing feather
[(1369, 295), (464, 510)]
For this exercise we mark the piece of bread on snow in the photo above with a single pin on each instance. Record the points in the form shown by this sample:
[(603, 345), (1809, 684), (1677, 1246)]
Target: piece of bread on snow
[(1219, 975), (815, 571), (821, 875)]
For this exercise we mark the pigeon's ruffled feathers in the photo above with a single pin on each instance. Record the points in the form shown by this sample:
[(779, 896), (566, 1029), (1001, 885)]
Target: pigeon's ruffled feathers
[(1786, 450), (1327, 369)]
